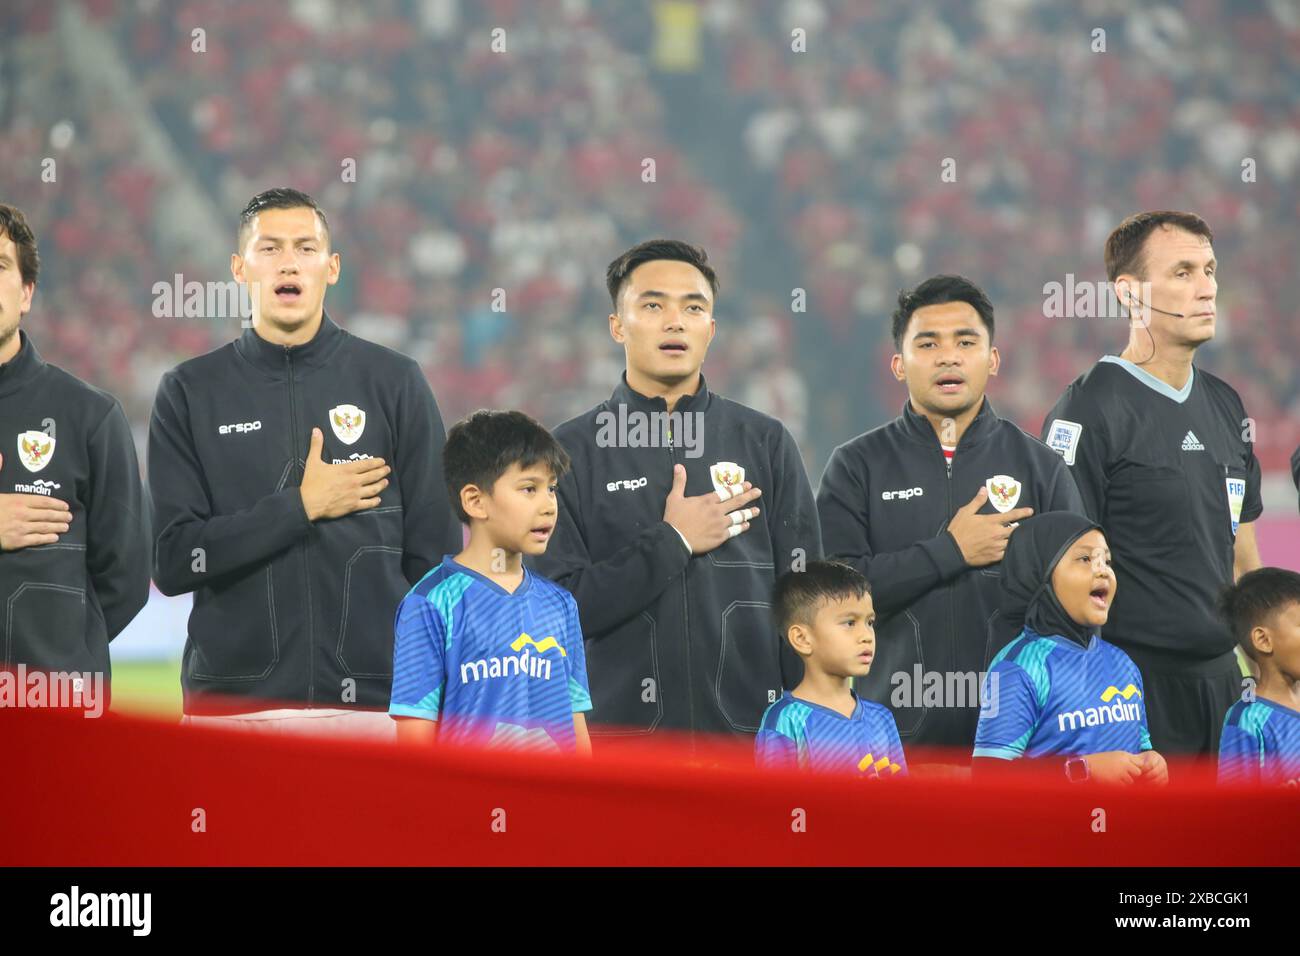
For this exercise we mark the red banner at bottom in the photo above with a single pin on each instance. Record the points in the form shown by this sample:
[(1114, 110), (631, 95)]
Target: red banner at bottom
[(125, 791)]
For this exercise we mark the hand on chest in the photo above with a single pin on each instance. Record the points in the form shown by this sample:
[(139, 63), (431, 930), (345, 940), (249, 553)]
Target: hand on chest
[(262, 444), (909, 504), (637, 486)]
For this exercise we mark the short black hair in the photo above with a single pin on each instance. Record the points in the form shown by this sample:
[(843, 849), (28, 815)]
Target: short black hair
[(1125, 252), (649, 251), (482, 447), (14, 225), (281, 197), (938, 290), (798, 595), (1255, 597)]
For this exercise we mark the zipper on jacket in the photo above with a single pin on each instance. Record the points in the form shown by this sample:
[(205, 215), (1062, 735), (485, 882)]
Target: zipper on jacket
[(952, 585), (306, 561), (686, 609)]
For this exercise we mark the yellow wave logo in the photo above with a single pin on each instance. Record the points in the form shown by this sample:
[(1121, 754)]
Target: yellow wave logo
[(547, 643), (1127, 693), (869, 764)]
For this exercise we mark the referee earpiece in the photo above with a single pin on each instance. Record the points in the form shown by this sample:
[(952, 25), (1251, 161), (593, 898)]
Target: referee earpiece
[(1136, 318)]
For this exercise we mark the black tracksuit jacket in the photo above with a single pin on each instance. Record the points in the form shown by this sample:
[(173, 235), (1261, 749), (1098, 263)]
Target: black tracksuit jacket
[(289, 611), (61, 603), (885, 501), (677, 641)]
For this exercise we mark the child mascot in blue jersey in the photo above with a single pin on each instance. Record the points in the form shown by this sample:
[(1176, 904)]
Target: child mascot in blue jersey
[(1058, 694)]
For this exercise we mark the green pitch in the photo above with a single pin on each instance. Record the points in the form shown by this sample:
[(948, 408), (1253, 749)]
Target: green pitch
[(151, 688)]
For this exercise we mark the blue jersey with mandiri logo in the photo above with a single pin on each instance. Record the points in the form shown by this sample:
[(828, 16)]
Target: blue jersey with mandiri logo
[(799, 733), (1044, 696), (494, 667), (1260, 744)]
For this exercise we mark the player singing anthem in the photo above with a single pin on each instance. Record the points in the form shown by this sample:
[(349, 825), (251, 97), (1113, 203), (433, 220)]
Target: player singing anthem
[(660, 534), (296, 477), (1161, 451), (924, 506), (74, 545)]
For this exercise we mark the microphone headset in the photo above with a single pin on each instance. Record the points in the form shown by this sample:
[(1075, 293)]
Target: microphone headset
[(1132, 299)]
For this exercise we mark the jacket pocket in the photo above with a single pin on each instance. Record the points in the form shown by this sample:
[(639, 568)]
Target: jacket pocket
[(233, 628), (45, 626), (1155, 502), (898, 672), (753, 549), (373, 587), (749, 664), (623, 673)]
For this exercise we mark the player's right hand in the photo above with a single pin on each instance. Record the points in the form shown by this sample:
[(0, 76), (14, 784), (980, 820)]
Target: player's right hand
[(1115, 766), (983, 538), (332, 491), (27, 520), (706, 520)]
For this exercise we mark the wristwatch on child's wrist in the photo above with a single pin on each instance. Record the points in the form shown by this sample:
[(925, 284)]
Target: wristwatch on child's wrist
[(1076, 769)]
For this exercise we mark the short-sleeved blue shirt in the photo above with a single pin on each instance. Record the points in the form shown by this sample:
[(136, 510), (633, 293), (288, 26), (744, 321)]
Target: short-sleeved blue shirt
[(799, 733), (1260, 744), (497, 668), (1048, 696)]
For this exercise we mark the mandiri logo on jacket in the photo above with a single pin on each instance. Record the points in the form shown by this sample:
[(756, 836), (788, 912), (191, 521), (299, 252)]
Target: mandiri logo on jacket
[(35, 450), (348, 422)]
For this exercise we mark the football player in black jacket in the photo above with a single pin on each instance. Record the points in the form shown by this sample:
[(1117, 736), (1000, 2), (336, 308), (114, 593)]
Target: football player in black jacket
[(74, 544), (924, 507), (660, 534), (296, 482)]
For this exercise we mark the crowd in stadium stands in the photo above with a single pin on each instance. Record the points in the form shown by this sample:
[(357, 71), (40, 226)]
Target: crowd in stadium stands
[(822, 171)]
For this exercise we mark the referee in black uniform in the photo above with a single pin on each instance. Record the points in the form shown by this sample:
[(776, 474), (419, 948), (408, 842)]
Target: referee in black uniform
[(1159, 451)]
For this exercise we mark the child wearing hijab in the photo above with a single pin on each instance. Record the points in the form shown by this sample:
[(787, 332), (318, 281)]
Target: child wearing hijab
[(1058, 694)]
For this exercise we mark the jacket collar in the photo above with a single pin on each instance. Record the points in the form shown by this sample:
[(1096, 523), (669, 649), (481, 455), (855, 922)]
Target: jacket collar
[(274, 358), (624, 394), (919, 427), (22, 368)]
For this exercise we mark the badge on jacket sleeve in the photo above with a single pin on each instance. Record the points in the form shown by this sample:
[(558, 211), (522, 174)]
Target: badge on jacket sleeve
[(1004, 492), (1236, 498), (1063, 437), (728, 479), (35, 449), (348, 422)]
